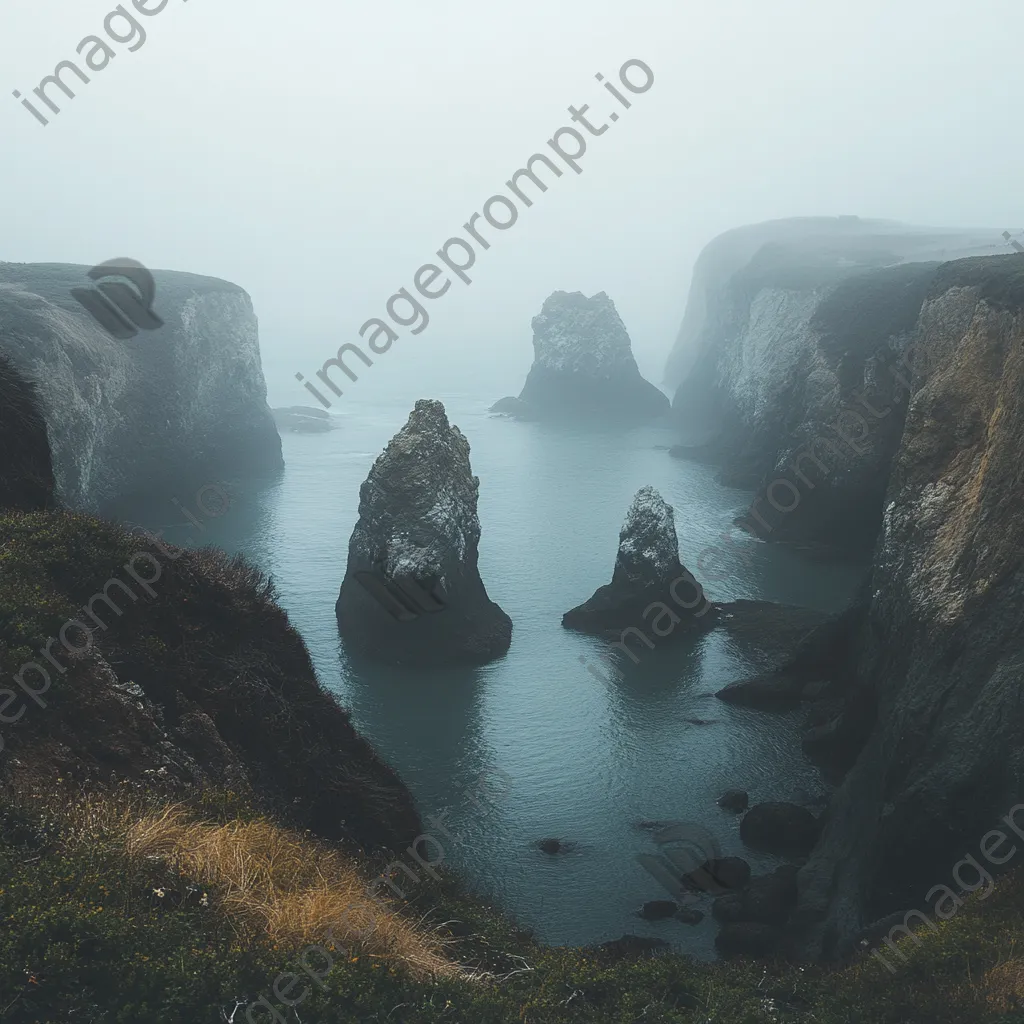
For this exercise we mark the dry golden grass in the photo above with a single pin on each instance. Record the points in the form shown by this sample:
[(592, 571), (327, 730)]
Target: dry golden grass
[(293, 890), (269, 881)]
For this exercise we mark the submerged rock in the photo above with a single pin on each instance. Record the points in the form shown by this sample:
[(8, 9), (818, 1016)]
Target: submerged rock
[(412, 593), (650, 592), (658, 910), (583, 366), (554, 846), (735, 800)]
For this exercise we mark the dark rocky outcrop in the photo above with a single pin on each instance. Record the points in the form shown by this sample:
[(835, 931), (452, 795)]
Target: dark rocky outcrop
[(303, 419), (412, 592), (26, 471), (167, 411), (938, 650), (794, 363), (650, 589), (779, 827), (583, 367)]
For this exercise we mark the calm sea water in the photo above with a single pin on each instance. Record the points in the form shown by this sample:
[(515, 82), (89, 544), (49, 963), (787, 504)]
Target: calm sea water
[(586, 757)]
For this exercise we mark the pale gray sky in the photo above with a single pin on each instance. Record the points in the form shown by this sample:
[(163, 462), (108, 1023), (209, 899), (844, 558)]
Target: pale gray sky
[(318, 153)]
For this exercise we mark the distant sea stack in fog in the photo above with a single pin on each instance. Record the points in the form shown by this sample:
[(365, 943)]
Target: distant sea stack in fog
[(583, 367), (650, 591), (174, 408), (412, 593)]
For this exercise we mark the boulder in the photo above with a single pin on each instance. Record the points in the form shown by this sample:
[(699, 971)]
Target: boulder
[(782, 828), (412, 592), (735, 800), (651, 591), (658, 910), (724, 874), (583, 367), (689, 915)]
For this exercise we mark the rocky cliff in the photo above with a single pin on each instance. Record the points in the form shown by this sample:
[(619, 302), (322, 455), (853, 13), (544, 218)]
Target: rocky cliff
[(796, 339), (412, 591), (583, 366), (937, 648), (163, 411)]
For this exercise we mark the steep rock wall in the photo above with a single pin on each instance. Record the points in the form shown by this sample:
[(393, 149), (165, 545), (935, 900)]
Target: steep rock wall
[(940, 649)]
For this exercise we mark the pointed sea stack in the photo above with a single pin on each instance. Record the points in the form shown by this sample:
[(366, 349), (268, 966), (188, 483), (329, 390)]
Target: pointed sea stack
[(583, 367), (412, 593), (650, 589)]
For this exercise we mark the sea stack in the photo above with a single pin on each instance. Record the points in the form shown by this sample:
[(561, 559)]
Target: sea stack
[(651, 590), (583, 367), (412, 592)]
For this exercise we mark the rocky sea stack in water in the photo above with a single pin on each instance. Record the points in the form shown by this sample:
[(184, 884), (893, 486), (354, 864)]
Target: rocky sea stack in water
[(650, 588), (583, 366), (412, 592)]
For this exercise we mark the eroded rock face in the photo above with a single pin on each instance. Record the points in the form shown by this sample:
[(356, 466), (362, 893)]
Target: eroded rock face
[(412, 592), (168, 410), (650, 589), (940, 647), (583, 366), (794, 366)]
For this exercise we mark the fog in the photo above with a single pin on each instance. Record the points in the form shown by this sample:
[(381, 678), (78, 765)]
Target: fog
[(318, 154)]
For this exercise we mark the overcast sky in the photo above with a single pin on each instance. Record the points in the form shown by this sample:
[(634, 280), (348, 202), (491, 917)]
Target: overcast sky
[(318, 153)]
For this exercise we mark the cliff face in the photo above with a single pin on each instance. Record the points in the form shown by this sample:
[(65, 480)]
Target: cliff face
[(796, 337), (157, 413), (583, 366), (939, 648), (412, 591)]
